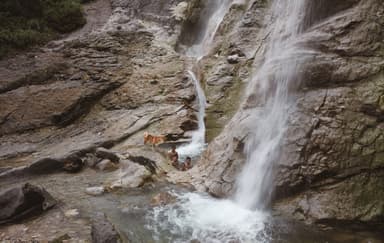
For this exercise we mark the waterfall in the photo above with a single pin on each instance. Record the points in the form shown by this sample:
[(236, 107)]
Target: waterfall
[(197, 51), (197, 144), (244, 218), (271, 84), (206, 36)]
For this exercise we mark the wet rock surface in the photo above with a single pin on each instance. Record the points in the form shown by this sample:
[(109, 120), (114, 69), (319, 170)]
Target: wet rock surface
[(331, 165)]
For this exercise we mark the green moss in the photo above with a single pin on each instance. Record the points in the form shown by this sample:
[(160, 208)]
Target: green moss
[(25, 23), (222, 111)]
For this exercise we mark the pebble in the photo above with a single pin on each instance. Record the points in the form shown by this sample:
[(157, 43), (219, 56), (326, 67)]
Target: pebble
[(72, 213), (95, 191)]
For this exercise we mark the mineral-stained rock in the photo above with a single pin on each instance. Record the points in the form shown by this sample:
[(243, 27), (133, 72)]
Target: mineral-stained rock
[(23, 201)]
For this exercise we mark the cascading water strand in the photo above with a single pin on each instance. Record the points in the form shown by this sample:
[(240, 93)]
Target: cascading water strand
[(274, 80)]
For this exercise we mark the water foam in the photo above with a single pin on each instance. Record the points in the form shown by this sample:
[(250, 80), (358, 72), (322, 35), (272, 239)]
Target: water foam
[(200, 217), (197, 145)]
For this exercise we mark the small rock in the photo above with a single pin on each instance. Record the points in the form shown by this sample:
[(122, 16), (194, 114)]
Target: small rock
[(73, 165), (95, 191), (91, 160), (233, 59), (106, 165), (103, 231), (71, 213)]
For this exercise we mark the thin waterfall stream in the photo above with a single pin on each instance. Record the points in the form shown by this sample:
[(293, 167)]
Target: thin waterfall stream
[(197, 145), (196, 52)]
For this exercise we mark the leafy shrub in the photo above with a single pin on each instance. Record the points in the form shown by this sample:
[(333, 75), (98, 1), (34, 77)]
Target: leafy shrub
[(24, 23), (63, 16)]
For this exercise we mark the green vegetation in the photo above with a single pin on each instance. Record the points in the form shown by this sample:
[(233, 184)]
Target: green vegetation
[(25, 23)]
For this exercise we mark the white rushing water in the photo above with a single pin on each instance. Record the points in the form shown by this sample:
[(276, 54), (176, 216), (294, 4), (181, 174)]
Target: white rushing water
[(272, 84), (200, 49), (197, 144), (244, 218), (197, 51)]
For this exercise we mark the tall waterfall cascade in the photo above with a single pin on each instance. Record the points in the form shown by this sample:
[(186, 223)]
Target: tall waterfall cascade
[(272, 83), (244, 218)]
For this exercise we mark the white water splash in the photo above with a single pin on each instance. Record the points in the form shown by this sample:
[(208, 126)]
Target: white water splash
[(197, 144), (202, 218), (271, 85)]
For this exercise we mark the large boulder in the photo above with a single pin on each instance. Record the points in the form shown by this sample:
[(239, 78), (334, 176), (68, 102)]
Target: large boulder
[(131, 175), (23, 201)]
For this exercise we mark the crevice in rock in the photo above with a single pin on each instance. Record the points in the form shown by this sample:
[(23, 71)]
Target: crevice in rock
[(82, 106)]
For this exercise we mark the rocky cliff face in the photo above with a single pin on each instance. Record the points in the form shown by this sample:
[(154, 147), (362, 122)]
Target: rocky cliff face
[(99, 88), (331, 164)]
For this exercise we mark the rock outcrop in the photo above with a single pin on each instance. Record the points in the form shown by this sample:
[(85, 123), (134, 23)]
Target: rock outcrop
[(331, 164), (102, 86)]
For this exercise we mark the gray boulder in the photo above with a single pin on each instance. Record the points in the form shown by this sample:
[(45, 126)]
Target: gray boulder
[(23, 201)]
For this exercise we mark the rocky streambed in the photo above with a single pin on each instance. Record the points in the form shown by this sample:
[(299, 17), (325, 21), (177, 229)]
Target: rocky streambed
[(73, 114)]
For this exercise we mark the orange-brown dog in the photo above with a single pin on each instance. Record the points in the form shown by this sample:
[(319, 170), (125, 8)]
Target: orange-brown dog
[(153, 140)]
